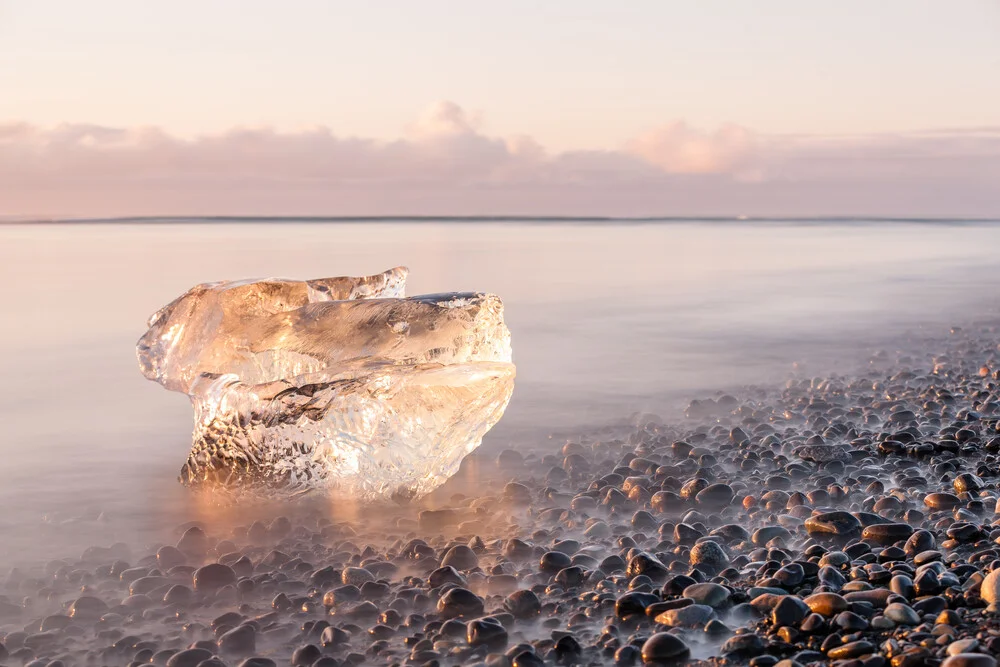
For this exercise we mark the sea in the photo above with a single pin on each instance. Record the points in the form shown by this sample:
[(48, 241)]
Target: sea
[(609, 318)]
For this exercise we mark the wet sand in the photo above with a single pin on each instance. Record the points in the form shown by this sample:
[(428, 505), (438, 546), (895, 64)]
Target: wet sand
[(844, 519)]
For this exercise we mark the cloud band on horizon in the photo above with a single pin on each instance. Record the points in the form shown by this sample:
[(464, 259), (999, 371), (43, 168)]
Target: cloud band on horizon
[(446, 165)]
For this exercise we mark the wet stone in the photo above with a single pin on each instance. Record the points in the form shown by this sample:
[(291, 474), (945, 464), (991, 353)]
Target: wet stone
[(664, 648), (970, 660), (486, 632), (708, 555), (523, 604), (851, 650), (241, 640), (356, 576), (710, 594), (745, 645), (691, 616), (191, 657), (212, 577), (826, 604), (887, 533), (460, 602), (306, 655), (838, 523)]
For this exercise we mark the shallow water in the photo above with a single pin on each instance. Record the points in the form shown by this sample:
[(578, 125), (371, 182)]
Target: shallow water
[(606, 319)]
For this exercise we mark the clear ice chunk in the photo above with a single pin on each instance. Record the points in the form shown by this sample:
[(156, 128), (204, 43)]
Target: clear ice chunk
[(340, 384)]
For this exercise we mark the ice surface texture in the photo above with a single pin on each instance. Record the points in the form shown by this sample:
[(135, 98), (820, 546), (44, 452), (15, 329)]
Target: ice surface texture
[(338, 384)]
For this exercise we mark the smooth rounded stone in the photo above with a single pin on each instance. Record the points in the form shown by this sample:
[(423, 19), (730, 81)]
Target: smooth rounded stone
[(967, 482), (834, 559), (833, 523), (764, 603), (820, 453), (932, 604), (900, 584), (305, 656), (646, 564), (460, 602), (441, 576), (613, 563), (553, 561), (851, 650), (664, 647), (710, 594), (848, 621), (567, 649), (568, 547), (762, 536), (927, 557), (144, 585), (901, 614), (213, 662), (826, 604), (194, 541), (715, 495), (691, 616), (744, 645), (790, 576), (87, 607), (526, 659), (710, 556), (168, 557), (942, 501), (570, 577), (887, 533), (178, 594), (627, 655), (876, 597), (881, 623), (523, 604), (789, 611), (54, 622), (634, 603), (356, 576), (686, 534), (989, 589), (732, 532), (970, 660), (332, 637), (919, 541), (342, 595), (191, 657), (963, 646), (517, 550), (460, 557), (598, 530), (241, 640), (212, 577), (486, 632)]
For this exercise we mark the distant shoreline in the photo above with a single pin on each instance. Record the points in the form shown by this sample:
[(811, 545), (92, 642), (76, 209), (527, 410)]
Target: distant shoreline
[(541, 219)]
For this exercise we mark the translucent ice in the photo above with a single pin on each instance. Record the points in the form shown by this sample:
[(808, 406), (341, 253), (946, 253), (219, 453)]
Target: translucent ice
[(339, 384)]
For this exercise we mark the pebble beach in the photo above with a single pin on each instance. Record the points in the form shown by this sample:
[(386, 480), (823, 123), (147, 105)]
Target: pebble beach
[(846, 519)]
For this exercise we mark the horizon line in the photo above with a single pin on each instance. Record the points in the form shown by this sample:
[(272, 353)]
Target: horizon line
[(194, 219)]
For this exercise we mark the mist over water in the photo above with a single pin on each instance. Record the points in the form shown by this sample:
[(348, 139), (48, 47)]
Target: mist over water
[(606, 320)]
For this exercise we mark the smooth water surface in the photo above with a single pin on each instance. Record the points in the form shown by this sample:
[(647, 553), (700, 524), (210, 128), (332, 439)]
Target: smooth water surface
[(606, 319)]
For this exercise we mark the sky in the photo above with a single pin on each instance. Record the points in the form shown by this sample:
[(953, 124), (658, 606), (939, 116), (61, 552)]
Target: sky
[(567, 107)]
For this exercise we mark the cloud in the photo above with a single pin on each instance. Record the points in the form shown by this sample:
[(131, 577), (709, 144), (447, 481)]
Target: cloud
[(447, 164), (678, 148)]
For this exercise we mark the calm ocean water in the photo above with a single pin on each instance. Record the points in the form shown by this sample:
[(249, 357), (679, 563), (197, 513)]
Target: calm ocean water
[(606, 318)]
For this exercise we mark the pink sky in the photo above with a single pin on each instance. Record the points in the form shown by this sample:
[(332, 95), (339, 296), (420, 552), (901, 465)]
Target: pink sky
[(446, 165), (567, 107)]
